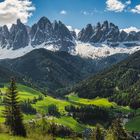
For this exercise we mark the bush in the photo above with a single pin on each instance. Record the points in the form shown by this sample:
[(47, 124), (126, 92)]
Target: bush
[(53, 110), (27, 108)]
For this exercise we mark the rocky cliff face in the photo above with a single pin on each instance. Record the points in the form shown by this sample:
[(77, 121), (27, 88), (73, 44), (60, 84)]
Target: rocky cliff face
[(4, 36), (15, 38), (20, 35), (55, 34), (106, 32)]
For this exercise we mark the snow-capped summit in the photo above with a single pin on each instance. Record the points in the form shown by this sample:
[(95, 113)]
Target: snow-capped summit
[(92, 41), (56, 34)]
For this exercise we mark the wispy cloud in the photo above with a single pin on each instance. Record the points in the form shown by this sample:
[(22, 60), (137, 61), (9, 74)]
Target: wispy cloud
[(11, 10), (72, 29), (86, 13), (117, 5), (63, 12)]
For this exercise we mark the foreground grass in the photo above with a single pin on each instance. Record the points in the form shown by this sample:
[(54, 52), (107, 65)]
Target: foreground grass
[(8, 137), (4, 136), (134, 124)]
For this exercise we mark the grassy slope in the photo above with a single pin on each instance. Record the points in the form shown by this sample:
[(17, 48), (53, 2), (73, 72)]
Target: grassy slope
[(102, 102), (70, 123), (42, 107), (24, 93), (4, 136)]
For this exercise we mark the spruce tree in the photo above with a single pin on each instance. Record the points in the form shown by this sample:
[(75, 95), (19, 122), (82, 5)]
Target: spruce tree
[(117, 131), (98, 133), (12, 112)]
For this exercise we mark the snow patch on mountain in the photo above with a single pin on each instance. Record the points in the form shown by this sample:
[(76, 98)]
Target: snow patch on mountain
[(102, 50), (86, 50), (130, 29)]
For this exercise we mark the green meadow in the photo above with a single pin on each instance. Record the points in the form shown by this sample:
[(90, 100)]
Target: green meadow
[(102, 102), (42, 106), (72, 99)]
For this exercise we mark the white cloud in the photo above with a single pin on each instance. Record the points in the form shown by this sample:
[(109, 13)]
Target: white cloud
[(128, 2), (85, 13), (11, 10), (136, 9), (130, 29), (63, 12), (72, 29), (117, 5)]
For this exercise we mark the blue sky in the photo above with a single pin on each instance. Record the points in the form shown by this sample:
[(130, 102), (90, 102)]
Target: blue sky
[(78, 13), (81, 12)]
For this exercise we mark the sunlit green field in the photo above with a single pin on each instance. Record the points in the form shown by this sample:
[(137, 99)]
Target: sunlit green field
[(42, 106), (24, 92), (102, 102)]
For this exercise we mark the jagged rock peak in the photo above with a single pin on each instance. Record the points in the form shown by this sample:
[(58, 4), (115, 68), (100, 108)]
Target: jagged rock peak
[(19, 21), (106, 31)]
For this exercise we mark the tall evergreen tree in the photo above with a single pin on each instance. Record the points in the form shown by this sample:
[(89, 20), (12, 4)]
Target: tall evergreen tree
[(117, 131), (12, 112), (98, 133)]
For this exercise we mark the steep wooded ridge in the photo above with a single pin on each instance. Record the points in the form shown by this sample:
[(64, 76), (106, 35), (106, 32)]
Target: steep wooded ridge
[(54, 70), (6, 75), (120, 82)]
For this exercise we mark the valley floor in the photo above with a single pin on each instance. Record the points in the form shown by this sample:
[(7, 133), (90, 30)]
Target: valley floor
[(26, 93)]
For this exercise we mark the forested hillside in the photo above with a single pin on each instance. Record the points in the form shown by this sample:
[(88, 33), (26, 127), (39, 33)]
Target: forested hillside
[(120, 82)]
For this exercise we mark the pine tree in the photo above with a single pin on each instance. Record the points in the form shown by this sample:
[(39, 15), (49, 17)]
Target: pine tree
[(98, 133), (117, 131), (12, 112)]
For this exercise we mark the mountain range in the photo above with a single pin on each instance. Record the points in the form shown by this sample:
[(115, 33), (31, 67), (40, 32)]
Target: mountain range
[(104, 39), (52, 57)]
